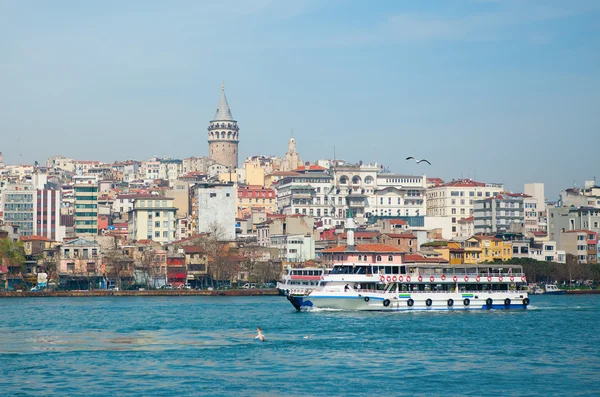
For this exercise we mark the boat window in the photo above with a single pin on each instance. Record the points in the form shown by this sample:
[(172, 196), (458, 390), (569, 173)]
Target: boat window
[(394, 269), (388, 270), (360, 270), (403, 269), (375, 269)]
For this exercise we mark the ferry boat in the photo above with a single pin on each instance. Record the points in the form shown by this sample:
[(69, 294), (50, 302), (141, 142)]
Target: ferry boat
[(300, 280), (418, 287)]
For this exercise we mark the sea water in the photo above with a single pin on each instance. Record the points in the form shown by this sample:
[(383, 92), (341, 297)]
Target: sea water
[(186, 346)]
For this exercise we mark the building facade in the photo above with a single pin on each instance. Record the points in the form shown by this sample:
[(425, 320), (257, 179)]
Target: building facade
[(583, 244), (501, 213), (85, 193), (255, 197), (223, 135), (215, 209), (457, 198), (153, 218)]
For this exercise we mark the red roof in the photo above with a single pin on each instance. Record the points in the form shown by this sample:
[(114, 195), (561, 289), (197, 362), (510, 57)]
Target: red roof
[(365, 248), (284, 173), (463, 183), (310, 168), (34, 238), (252, 192), (193, 249), (361, 234), (398, 222), (400, 235), (468, 219), (581, 231)]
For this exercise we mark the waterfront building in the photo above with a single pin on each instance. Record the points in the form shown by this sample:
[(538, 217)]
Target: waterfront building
[(493, 249), (79, 264), (215, 209), (500, 213), (85, 193), (36, 212), (223, 135), (153, 218), (583, 244), (456, 199)]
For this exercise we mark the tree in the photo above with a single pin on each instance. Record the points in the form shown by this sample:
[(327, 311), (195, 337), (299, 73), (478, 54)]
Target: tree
[(12, 255), (117, 266), (220, 261)]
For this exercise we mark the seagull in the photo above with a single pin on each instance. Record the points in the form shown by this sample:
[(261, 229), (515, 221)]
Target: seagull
[(418, 161), (259, 335)]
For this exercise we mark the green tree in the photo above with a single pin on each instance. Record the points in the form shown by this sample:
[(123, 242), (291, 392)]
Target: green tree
[(12, 255)]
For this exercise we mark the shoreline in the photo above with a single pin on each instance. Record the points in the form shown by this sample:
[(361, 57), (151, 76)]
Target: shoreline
[(104, 293)]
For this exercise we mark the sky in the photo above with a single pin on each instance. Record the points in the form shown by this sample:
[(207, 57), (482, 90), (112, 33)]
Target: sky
[(499, 91)]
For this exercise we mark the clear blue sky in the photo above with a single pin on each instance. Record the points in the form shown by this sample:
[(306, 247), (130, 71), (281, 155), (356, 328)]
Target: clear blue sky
[(508, 91)]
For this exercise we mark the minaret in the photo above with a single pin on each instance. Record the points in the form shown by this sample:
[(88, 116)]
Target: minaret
[(223, 135), (350, 227)]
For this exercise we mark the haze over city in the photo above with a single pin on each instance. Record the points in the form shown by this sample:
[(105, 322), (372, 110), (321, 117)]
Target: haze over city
[(500, 91)]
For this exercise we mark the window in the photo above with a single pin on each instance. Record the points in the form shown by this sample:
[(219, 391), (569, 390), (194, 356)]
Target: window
[(156, 224), (227, 194), (70, 267), (378, 258), (390, 258), (453, 211), (215, 195), (157, 214)]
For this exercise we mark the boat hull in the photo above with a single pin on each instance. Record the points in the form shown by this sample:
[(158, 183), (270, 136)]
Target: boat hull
[(410, 302)]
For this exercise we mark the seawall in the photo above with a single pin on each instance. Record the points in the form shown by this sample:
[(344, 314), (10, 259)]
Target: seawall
[(92, 293)]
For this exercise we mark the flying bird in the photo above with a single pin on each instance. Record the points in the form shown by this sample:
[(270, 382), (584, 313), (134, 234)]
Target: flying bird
[(259, 334), (418, 161)]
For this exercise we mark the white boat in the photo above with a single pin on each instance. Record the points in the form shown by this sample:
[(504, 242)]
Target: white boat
[(417, 287), (552, 289), (300, 280)]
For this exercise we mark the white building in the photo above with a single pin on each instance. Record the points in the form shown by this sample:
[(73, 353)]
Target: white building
[(456, 199), (153, 218), (216, 206), (294, 248)]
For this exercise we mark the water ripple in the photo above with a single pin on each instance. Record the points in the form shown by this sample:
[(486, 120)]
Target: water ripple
[(205, 346)]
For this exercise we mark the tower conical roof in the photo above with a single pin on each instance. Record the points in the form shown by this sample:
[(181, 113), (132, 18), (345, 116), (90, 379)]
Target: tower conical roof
[(223, 111)]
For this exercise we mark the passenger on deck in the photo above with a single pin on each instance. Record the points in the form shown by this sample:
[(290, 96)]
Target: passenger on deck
[(346, 288)]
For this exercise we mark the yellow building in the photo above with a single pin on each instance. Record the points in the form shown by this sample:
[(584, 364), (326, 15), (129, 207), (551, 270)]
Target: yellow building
[(493, 249), (472, 247), (255, 174)]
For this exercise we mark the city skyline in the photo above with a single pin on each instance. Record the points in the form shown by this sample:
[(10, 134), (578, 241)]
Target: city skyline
[(487, 90)]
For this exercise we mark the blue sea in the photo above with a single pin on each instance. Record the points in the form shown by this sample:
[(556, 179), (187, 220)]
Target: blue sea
[(188, 346)]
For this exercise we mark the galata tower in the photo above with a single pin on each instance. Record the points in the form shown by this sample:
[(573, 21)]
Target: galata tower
[(223, 135)]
